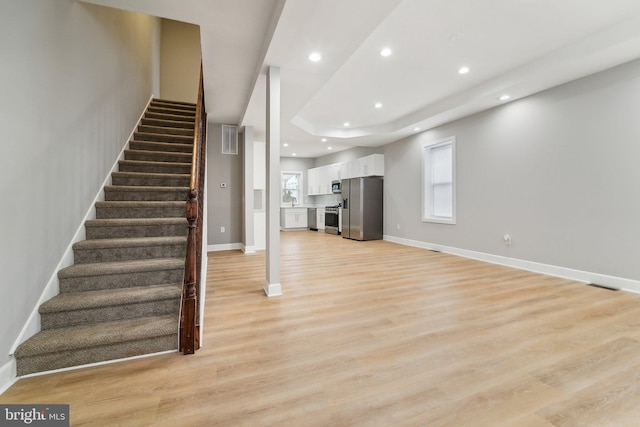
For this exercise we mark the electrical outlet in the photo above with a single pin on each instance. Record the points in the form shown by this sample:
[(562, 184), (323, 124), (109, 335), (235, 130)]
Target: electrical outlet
[(398, 227), (222, 230), (507, 239)]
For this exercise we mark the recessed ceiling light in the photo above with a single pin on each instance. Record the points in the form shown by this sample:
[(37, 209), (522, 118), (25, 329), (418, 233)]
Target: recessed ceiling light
[(329, 148), (315, 57), (504, 97), (416, 129), (324, 140), (463, 70), (346, 124), (385, 52), (285, 145), (293, 154), (378, 105)]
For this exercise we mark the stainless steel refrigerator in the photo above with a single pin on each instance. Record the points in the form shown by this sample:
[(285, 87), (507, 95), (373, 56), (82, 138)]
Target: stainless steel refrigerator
[(362, 208)]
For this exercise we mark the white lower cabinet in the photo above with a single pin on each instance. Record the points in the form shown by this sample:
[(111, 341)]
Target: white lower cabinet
[(292, 218)]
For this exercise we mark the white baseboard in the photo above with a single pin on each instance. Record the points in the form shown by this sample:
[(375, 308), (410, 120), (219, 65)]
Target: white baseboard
[(225, 247), (536, 267), (105, 362), (7, 375), (272, 289), (248, 250), (32, 326)]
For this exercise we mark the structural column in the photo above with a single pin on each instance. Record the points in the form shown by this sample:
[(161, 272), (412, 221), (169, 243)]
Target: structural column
[(272, 286), (248, 243)]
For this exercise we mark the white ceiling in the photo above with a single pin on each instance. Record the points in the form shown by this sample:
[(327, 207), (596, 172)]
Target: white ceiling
[(517, 47)]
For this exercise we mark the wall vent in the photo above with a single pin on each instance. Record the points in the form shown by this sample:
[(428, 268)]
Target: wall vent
[(229, 139)]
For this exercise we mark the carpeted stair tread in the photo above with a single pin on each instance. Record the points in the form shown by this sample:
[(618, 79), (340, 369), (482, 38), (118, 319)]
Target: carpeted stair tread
[(160, 146), (117, 275), (122, 267), (140, 209), (150, 179), (145, 193), (96, 335), (166, 130), (135, 227), (157, 156), (172, 117), (172, 111), (162, 137), (185, 104), (147, 121), (176, 107), (127, 249), (130, 242), (158, 167), (109, 297)]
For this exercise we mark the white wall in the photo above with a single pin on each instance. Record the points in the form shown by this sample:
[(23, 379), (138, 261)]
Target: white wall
[(557, 170), (75, 78)]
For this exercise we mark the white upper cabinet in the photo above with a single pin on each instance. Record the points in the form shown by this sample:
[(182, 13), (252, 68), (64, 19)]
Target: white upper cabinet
[(372, 165), (319, 179)]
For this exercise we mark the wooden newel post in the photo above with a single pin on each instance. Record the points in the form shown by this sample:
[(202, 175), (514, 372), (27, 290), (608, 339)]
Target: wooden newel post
[(188, 338)]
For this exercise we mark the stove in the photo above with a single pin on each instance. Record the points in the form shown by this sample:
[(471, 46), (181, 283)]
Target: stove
[(331, 219)]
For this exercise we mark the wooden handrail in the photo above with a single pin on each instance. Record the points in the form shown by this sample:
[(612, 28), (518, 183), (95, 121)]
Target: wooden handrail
[(189, 314)]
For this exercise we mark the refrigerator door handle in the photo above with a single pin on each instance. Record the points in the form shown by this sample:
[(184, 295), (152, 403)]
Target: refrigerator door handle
[(345, 203)]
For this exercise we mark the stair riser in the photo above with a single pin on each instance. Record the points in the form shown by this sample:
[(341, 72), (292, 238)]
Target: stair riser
[(110, 313), (154, 146), (166, 130), (84, 356), (132, 231), (114, 194), (118, 281), (167, 167), (151, 181), (172, 112), (85, 256), (156, 137), (149, 156), (168, 123)]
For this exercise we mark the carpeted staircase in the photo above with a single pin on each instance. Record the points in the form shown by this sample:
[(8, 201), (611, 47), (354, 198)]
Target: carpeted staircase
[(121, 298)]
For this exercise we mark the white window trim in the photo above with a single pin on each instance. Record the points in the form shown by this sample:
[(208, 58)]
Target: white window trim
[(426, 187), (300, 190)]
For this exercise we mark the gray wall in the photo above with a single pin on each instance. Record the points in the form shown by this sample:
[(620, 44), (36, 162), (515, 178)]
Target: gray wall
[(225, 204), (558, 170), (75, 79)]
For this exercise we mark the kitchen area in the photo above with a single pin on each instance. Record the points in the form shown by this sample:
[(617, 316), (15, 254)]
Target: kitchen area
[(342, 199)]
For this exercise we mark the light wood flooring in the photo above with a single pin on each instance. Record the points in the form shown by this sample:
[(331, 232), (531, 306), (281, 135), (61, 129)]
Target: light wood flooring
[(376, 334)]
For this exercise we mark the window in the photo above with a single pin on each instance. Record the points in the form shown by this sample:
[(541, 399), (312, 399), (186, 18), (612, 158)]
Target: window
[(291, 185), (439, 186)]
